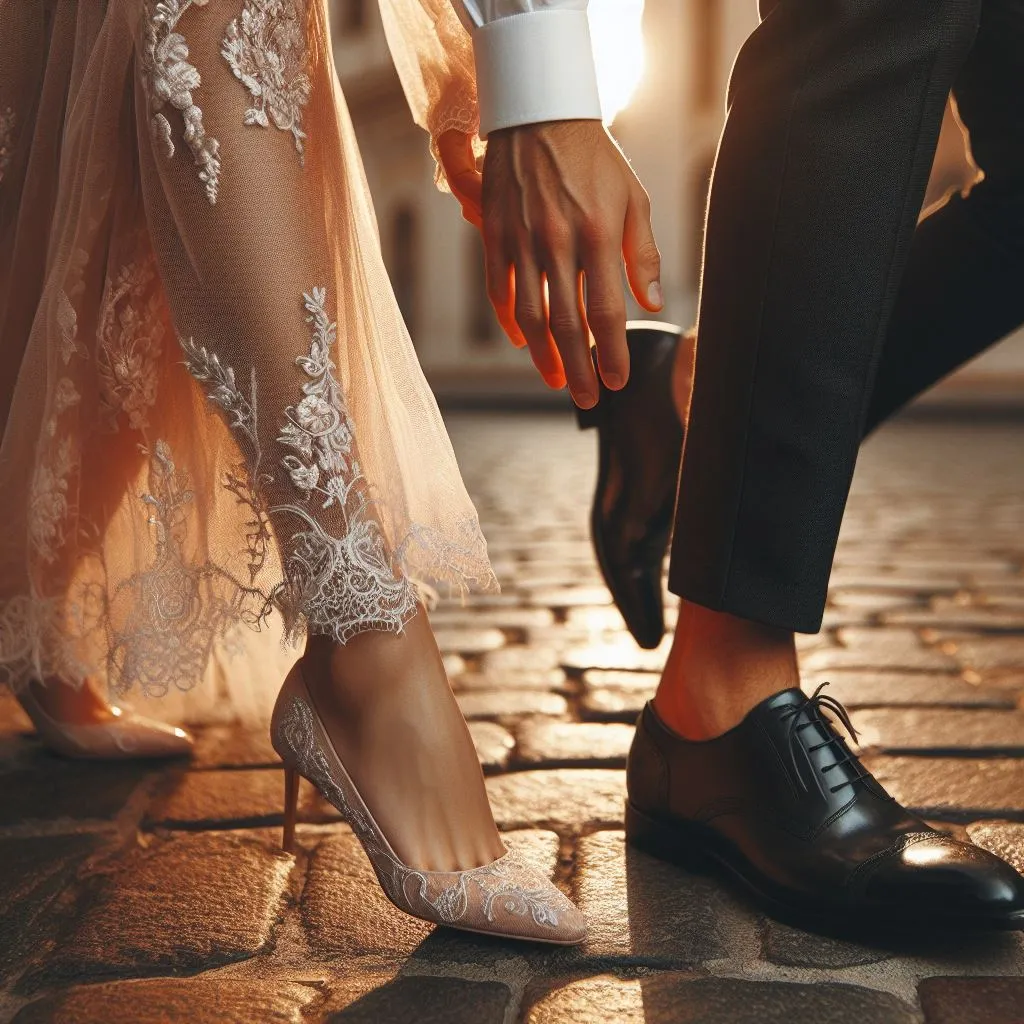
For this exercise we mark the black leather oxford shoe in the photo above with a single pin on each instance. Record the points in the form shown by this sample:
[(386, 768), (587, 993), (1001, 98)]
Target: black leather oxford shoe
[(640, 440), (780, 805)]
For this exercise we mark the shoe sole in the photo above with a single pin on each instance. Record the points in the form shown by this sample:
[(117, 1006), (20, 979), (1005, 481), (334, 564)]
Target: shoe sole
[(596, 422), (700, 851)]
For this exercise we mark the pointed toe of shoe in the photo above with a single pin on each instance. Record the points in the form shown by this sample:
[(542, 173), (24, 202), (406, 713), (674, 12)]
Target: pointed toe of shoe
[(144, 737), (944, 879), (636, 589), (130, 736), (519, 902), (562, 923)]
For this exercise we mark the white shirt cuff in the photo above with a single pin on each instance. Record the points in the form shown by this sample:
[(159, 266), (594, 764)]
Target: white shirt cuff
[(535, 67)]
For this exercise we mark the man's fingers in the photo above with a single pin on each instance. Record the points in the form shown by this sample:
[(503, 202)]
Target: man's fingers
[(640, 252), (606, 315), (531, 315), (569, 329), (455, 150), (501, 290)]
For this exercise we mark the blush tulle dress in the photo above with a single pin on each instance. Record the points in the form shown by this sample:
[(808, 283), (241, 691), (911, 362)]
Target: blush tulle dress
[(216, 433)]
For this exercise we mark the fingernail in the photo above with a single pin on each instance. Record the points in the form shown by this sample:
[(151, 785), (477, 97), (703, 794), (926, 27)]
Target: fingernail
[(654, 294), (613, 381), (585, 401)]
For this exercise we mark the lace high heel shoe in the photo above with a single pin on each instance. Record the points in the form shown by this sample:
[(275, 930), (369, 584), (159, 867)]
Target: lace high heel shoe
[(124, 736), (506, 897)]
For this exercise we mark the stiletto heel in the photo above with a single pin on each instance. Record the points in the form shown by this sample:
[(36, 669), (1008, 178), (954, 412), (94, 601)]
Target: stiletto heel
[(506, 897), (291, 800)]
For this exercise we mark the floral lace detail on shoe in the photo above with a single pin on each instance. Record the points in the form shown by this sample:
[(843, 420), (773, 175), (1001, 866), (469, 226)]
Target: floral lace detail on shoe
[(266, 49), (130, 334), (7, 123), (339, 585), (170, 78), (491, 897)]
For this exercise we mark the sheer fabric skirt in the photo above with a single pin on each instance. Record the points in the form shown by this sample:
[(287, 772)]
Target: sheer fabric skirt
[(215, 428)]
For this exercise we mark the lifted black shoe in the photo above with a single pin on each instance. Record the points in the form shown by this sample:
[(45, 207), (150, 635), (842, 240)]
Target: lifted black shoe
[(640, 442)]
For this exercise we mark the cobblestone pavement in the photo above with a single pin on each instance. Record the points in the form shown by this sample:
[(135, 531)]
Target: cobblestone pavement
[(143, 894)]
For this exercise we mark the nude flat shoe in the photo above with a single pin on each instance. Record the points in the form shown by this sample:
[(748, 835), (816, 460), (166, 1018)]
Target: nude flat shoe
[(506, 898), (126, 736)]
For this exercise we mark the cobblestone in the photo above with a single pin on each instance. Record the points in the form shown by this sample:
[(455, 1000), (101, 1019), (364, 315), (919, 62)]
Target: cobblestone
[(1003, 838), (510, 703), (899, 689), (225, 746), (184, 903), (493, 744), (685, 1000), (526, 679), (985, 653), (950, 787), (791, 947), (158, 1001), (35, 880), (50, 789), (468, 641), (565, 743), (230, 799), (562, 798), (972, 1000), (941, 730), (421, 999), (636, 906), (893, 649), (157, 892)]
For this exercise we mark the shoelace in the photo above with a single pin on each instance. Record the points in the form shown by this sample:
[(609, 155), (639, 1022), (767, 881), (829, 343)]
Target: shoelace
[(817, 702)]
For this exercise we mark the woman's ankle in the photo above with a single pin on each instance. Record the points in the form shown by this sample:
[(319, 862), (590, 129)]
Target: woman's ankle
[(719, 668)]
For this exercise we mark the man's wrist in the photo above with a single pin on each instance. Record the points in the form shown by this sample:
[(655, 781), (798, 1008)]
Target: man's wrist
[(535, 67)]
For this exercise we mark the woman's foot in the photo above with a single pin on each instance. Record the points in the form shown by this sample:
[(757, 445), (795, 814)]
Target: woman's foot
[(375, 727), (394, 721), (77, 722)]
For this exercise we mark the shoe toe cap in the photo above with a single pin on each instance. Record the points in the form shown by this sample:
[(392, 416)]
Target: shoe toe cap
[(144, 737), (944, 877)]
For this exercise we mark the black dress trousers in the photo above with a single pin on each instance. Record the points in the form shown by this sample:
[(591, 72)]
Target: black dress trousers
[(815, 284)]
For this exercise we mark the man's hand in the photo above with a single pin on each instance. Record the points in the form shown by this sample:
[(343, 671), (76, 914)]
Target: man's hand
[(561, 209)]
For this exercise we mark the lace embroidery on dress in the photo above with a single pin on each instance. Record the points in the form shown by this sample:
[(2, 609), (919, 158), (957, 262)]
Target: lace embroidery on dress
[(177, 610), (240, 410), (339, 585), (266, 49), (67, 322), (37, 640), (343, 585), (49, 499), (7, 122), (130, 336), (170, 78)]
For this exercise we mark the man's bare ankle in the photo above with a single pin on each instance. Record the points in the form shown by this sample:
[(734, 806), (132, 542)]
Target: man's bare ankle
[(719, 668)]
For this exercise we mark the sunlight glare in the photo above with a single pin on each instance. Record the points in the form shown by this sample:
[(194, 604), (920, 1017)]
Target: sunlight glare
[(616, 28)]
